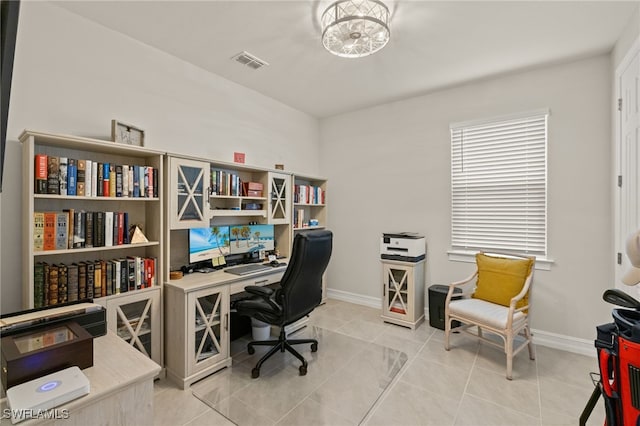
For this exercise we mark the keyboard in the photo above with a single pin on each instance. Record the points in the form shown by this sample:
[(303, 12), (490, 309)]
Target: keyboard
[(248, 269)]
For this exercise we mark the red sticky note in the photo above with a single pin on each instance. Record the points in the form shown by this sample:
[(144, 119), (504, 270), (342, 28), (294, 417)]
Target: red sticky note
[(238, 157)]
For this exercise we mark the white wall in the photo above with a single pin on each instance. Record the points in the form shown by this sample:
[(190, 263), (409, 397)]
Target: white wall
[(72, 76), (628, 36), (389, 171)]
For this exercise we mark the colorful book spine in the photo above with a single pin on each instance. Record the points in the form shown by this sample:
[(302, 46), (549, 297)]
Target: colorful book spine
[(125, 180), (53, 173), (38, 231), (47, 270), (142, 182), (118, 181), (49, 242), (72, 282), (40, 167), (88, 175), (103, 278), (155, 183), (105, 179), (148, 181), (82, 174), (62, 176), (72, 177), (71, 226), (112, 180), (62, 283), (38, 285), (62, 230), (90, 279), (53, 285), (100, 181), (97, 279), (82, 280), (136, 181), (98, 229)]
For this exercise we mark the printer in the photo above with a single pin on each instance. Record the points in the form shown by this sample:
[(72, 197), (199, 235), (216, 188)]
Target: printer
[(403, 246)]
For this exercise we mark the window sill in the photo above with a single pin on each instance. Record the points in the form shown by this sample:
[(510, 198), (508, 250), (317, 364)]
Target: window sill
[(542, 263)]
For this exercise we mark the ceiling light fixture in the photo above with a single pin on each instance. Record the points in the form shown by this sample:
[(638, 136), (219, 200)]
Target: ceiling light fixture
[(355, 28)]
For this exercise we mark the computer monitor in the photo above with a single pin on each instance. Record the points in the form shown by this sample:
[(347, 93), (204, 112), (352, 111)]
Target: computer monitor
[(207, 243), (250, 238)]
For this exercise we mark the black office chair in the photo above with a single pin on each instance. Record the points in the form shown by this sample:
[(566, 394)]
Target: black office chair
[(299, 293)]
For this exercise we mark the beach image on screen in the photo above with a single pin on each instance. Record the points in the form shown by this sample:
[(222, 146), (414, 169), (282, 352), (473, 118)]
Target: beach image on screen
[(207, 243), (249, 238)]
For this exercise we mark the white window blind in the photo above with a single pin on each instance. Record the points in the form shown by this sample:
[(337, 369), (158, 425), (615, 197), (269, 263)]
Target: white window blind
[(499, 185)]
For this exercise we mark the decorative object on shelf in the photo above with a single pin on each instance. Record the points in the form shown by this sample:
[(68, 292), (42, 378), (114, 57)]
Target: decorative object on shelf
[(355, 28), (279, 166), (137, 236), (238, 157), (126, 134)]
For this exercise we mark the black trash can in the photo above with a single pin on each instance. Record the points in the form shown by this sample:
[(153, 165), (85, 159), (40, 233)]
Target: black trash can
[(437, 297)]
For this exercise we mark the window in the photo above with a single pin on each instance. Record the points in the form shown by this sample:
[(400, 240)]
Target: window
[(499, 184)]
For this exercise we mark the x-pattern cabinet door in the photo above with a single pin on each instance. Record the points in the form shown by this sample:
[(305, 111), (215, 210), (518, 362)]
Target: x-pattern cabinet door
[(208, 313), (398, 290), (279, 198), (189, 189)]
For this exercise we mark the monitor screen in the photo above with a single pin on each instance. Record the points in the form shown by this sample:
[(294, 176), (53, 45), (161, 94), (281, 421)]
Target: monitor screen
[(207, 243), (250, 238)]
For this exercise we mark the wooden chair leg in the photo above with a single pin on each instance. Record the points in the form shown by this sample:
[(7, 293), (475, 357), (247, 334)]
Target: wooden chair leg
[(527, 333), (447, 331), (509, 351)]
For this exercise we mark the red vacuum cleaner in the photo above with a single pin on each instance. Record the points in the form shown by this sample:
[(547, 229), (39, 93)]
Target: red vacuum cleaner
[(618, 346)]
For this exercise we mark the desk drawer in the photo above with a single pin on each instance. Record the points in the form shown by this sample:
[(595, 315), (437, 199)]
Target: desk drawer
[(238, 286)]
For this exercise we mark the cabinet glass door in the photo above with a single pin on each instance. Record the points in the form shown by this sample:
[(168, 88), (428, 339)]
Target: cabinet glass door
[(133, 324), (397, 281), (189, 180), (279, 194), (208, 327)]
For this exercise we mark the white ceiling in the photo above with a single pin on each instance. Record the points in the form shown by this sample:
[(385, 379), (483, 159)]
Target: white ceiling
[(433, 44)]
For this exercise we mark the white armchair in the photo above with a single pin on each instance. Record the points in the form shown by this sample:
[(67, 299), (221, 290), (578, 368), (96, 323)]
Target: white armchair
[(494, 299)]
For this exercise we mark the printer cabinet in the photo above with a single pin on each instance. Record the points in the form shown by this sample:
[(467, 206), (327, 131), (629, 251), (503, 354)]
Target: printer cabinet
[(403, 292), (198, 325)]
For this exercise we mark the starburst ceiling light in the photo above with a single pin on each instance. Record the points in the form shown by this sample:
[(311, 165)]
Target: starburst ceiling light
[(355, 28)]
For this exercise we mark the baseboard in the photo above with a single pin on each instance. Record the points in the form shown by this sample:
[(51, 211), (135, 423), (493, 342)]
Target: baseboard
[(564, 343), (542, 338)]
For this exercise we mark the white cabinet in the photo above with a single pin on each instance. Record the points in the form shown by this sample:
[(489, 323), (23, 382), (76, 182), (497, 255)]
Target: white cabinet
[(188, 193), (403, 292), (136, 319), (197, 326), (279, 198)]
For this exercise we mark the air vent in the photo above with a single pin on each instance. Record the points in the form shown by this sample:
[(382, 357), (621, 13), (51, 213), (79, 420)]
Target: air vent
[(249, 60)]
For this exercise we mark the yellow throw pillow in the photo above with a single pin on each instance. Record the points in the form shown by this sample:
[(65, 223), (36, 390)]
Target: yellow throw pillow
[(500, 279)]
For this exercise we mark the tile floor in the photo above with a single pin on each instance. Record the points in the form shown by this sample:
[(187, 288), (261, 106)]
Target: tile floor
[(465, 386)]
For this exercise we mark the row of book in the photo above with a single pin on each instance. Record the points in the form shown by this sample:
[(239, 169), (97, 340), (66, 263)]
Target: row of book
[(69, 176), (60, 283), (225, 183), (308, 194), (71, 229)]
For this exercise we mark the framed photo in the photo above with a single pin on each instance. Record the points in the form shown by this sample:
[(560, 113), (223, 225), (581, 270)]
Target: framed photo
[(126, 133)]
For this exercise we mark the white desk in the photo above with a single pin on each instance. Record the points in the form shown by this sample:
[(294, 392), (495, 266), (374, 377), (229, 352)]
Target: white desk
[(197, 321), (121, 388)]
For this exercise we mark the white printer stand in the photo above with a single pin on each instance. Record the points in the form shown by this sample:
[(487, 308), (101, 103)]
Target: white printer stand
[(403, 292)]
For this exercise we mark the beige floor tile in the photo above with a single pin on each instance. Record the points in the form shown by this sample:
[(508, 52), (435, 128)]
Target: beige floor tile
[(478, 412), (495, 359), (462, 355), (421, 334), (446, 380), (242, 413), (210, 418), (310, 413), (391, 340), (519, 395), (566, 366), (408, 405), (560, 397), (176, 407), (363, 330)]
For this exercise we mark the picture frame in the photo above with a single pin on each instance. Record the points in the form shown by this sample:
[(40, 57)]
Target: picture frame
[(126, 133)]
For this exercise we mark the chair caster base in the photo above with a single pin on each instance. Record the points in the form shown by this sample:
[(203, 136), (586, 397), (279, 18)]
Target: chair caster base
[(303, 370), (251, 350), (314, 347), (255, 373)]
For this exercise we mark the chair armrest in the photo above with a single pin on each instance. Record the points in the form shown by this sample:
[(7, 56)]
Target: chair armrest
[(457, 284), (265, 292)]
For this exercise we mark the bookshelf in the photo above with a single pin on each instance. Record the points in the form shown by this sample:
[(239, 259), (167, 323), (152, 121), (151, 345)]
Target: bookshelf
[(144, 210)]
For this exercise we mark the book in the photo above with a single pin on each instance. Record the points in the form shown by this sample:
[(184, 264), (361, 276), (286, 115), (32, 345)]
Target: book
[(142, 182), (53, 173), (125, 180), (62, 283), (94, 178), (115, 228), (91, 279), (49, 242), (103, 278), (38, 285), (53, 285), (40, 183), (136, 181), (105, 179), (47, 270), (38, 231), (112, 180), (100, 181), (155, 183), (97, 279), (82, 280), (120, 234), (148, 181), (71, 226), (78, 232), (87, 178), (62, 176), (72, 177), (82, 168), (108, 229), (148, 271), (125, 228), (118, 180), (98, 229), (131, 273), (72, 282), (62, 230), (130, 181), (88, 229), (109, 278), (124, 276)]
